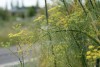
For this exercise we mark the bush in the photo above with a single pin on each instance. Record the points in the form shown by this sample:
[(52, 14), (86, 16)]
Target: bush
[(4, 15)]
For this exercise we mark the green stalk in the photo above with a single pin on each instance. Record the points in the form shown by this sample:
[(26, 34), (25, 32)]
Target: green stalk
[(98, 43), (65, 7), (91, 4), (46, 11), (80, 50), (66, 51), (93, 8), (82, 7), (16, 56), (97, 63), (22, 56), (48, 33)]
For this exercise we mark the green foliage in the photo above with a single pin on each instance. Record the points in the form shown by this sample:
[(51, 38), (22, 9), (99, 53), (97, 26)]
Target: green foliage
[(32, 11), (4, 15), (75, 29), (64, 37)]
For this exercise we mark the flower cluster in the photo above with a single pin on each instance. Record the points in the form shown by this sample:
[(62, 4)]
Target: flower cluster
[(93, 53), (22, 32)]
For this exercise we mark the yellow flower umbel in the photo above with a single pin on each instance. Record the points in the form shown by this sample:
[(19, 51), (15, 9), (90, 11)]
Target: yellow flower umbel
[(93, 52), (91, 47), (88, 57), (88, 52), (22, 32)]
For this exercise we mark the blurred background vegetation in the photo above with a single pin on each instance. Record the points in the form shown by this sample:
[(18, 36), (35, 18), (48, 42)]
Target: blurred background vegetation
[(17, 15), (64, 30)]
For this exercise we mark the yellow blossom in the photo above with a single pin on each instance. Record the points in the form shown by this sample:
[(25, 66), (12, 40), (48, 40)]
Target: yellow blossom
[(88, 57), (91, 47), (94, 57), (89, 52), (95, 50)]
